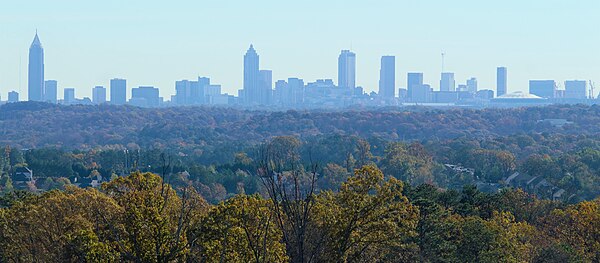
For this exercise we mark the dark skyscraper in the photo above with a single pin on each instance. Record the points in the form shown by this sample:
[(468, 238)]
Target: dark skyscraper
[(347, 69), (251, 77), (414, 80), (36, 70), (387, 77), (501, 81), (118, 91), (50, 91)]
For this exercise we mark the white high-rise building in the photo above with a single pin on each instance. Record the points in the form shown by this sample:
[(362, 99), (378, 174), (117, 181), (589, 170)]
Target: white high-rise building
[(347, 69)]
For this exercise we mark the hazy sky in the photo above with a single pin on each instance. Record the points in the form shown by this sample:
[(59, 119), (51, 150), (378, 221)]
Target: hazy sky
[(86, 43)]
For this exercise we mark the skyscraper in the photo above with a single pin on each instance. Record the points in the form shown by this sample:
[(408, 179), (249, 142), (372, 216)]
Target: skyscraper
[(266, 86), (36, 70), (501, 81), (387, 77), (447, 83), (98, 95), (50, 91), (251, 77), (347, 69), (118, 91), (69, 96), (414, 80), (472, 85)]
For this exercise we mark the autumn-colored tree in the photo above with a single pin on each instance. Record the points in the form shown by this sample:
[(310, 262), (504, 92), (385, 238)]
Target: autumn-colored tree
[(368, 220), (241, 229)]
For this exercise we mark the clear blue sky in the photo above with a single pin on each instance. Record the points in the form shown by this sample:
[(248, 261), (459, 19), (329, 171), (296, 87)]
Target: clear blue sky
[(158, 42)]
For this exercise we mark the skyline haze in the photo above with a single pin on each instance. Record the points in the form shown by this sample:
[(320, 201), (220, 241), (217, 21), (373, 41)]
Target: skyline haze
[(87, 44)]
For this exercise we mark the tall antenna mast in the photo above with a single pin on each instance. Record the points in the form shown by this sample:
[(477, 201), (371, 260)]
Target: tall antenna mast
[(20, 78), (443, 57)]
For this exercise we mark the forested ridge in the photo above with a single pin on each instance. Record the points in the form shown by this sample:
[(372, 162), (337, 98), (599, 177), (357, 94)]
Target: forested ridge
[(34, 125)]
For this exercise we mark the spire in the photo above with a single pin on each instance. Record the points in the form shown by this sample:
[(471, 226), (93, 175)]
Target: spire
[(36, 40)]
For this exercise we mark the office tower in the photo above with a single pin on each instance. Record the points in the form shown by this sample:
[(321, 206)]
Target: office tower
[(576, 89), (145, 97), (387, 77), (462, 88), (99, 95), (347, 69), (414, 79), (51, 91), (36, 70), (501, 81), (118, 91), (472, 85), (422, 93), (182, 92), (13, 96), (447, 83), (543, 88), (69, 96), (266, 86), (251, 77)]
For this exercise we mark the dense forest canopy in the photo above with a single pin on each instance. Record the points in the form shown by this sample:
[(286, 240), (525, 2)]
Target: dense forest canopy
[(125, 184), (34, 125)]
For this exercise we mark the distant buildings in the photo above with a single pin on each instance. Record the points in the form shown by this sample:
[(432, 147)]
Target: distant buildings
[(501, 81), (414, 80), (347, 69), (13, 96), (145, 97), (258, 91), (387, 77), (69, 96), (447, 83), (251, 91), (99, 95), (118, 91), (51, 91), (472, 85), (36, 70), (576, 89), (543, 88)]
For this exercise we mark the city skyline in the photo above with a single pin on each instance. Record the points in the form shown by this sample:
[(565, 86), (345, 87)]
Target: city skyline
[(142, 49)]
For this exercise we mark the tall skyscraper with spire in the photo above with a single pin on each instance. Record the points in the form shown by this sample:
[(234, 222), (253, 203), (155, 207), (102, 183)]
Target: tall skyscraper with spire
[(347, 69), (36, 70), (251, 77)]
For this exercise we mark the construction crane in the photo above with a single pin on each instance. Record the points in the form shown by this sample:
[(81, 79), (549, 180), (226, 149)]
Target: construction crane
[(592, 90)]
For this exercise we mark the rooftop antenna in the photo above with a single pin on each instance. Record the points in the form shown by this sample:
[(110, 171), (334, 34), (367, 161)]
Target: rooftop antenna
[(443, 57), (20, 69)]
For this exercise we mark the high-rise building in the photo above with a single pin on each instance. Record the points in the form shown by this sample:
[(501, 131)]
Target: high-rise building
[(543, 88), (145, 97), (36, 70), (50, 91), (472, 85), (501, 81), (251, 90), (447, 83), (118, 91), (576, 89), (13, 96), (69, 96), (422, 93), (266, 86), (99, 95), (387, 77), (414, 79), (347, 69)]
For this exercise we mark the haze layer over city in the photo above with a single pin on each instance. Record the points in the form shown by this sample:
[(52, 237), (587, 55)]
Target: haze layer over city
[(168, 42)]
